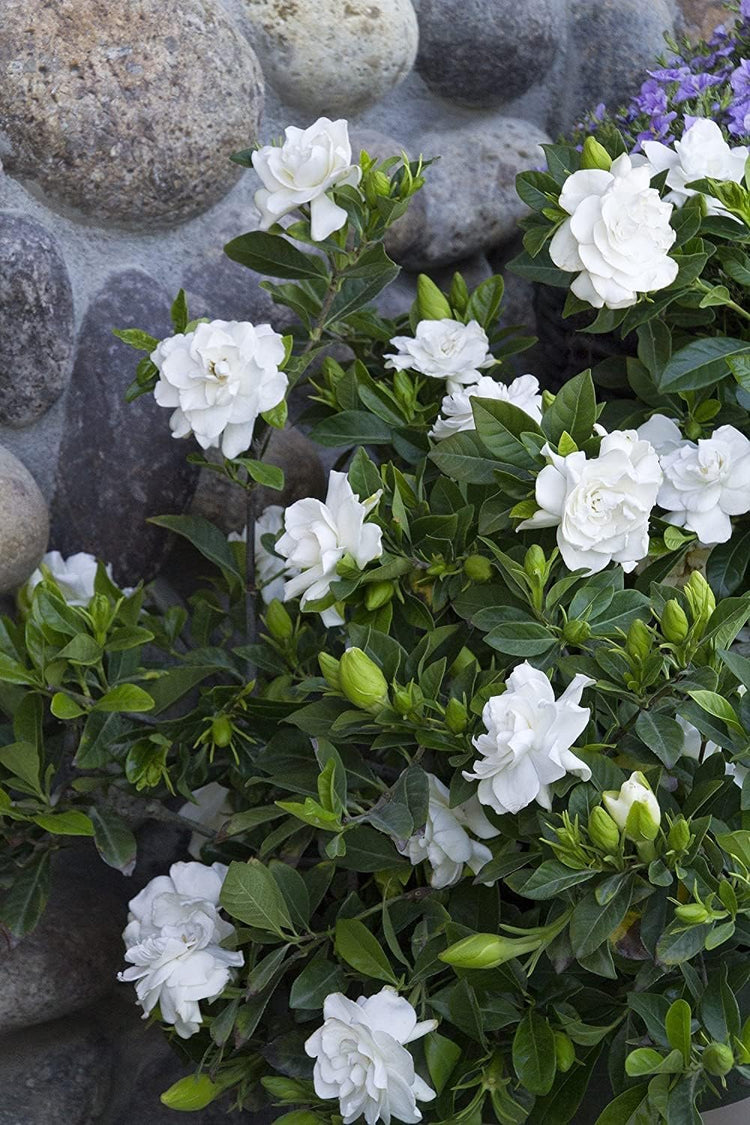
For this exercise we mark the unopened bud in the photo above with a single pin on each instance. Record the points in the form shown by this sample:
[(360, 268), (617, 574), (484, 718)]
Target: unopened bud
[(361, 680), (432, 304), (693, 430), (487, 951), (635, 810), (278, 621), (456, 716), (595, 155), (576, 632), (565, 1052), (535, 562), (221, 731), (717, 1059), (378, 594), (638, 643), (478, 568), (603, 831), (674, 622), (329, 666), (679, 836), (700, 599), (692, 913)]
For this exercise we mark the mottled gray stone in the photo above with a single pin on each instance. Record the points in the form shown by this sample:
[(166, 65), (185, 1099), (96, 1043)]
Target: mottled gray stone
[(56, 1074), (470, 196), (70, 960), (611, 45), (127, 112), (24, 523), (36, 320), (487, 52), (119, 463), (325, 56)]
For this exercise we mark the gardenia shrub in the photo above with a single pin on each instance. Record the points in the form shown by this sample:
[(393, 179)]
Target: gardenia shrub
[(466, 741)]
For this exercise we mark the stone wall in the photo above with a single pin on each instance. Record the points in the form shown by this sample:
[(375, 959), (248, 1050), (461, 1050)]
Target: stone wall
[(117, 124)]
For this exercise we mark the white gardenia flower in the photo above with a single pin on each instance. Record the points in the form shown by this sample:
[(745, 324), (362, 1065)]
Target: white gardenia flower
[(693, 743), (600, 505), (209, 808), (318, 534), (444, 842), (456, 413), (634, 791), (444, 349), (706, 482), (218, 379), (270, 571), (172, 943), (306, 166), (361, 1058), (618, 236), (75, 576), (702, 152), (527, 742)]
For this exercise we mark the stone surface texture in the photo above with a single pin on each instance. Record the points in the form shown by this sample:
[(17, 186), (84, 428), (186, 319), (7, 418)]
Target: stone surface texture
[(24, 523), (127, 112), (36, 321), (330, 57)]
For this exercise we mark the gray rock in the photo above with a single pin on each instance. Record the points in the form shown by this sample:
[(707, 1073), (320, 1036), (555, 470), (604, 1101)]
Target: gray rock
[(119, 463), (611, 44), (470, 196), (71, 959), (56, 1074), (487, 52), (328, 57), (127, 113), (24, 523), (36, 320)]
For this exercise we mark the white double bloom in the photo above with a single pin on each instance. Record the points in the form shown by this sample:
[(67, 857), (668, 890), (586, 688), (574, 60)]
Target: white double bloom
[(271, 572), (702, 152), (218, 379), (75, 576), (172, 942), (302, 170), (527, 742), (600, 505), (456, 413), (443, 349), (618, 236), (361, 1058)]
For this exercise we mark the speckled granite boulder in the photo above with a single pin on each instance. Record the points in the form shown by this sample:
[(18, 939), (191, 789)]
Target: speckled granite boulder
[(24, 523)]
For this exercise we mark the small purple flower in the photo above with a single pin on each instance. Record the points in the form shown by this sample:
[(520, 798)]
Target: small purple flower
[(745, 9), (694, 84)]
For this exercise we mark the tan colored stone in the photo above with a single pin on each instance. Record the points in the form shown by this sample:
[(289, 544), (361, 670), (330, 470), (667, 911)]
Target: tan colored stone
[(24, 523), (702, 16), (127, 111)]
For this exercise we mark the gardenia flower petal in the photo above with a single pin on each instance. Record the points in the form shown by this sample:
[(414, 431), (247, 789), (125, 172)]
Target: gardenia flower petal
[(317, 535), (691, 748), (600, 506), (172, 941), (527, 742), (443, 349), (618, 235), (706, 482), (75, 576), (209, 808), (456, 413), (701, 152), (307, 165), (270, 571), (663, 433), (444, 842), (361, 1060), (218, 379)]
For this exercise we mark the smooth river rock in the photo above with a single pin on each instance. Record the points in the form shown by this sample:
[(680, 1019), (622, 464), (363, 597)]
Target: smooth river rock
[(24, 523), (127, 112)]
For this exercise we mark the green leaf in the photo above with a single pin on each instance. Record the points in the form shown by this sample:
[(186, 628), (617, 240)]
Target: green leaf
[(193, 1092), (622, 1111), (352, 427), (592, 924), (114, 841), (251, 895), (701, 363), (316, 981), (83, 649), (573, 411), (645, 1060), (24, 903), (534, 1053), (359, 947), (463, 457), (269, 475), (205, 537), (484, 303), (125, 697), (677, 1027), (179, 312), (664, 736), (716, 705), (727, 565), (521, 638), (274, 255), (135, 338), (72, 822), (551, 879), (441, 1055), (22, 760), (369, 850)]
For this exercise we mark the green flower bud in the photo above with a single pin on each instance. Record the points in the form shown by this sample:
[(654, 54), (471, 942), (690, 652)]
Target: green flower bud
[(329, 666), (361, 681), (674, 622), (378, 594), (576, 632), (603, 832), (595, 155), (679, 836), (700, 599), (718, 1059), (402, 701), (431, 303), (634, 809), (547, 399), (347, 567), (146, 763), (487, 951), (638, 643), (692, 913), (565, 1052), (535, 563), (693, 430), (403, 386), (456, 716), (478, 568), (221, 731), (278, 621)]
